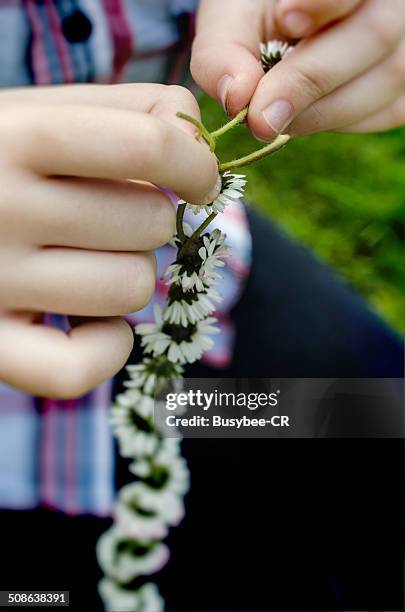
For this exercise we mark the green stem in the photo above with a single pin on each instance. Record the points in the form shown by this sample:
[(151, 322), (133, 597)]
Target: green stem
[(274, 146), (204, 225), (231, 124), (179, 222), (202, 130)]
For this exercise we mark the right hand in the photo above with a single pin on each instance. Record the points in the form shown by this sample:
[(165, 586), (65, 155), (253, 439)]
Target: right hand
[(76, 236), (348, 76)]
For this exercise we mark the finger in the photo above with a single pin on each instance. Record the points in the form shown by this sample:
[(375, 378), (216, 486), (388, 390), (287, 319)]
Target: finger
[(364, 96), (83, 283), (392, 116), (101, 142), (321, 64), (46, 362), (301, 18), (225, 52), (98, 214), (163, 101)]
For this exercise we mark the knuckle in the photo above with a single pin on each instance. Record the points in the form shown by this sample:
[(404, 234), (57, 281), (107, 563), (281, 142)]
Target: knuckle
[(312, 81), (179, 92), (163, 222), (184, 98), (147, 278), (138, 283), (384, 25), (314, 119)]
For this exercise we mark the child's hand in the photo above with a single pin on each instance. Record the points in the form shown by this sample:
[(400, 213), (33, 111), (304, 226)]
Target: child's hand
[(75, 236), (347, 77)]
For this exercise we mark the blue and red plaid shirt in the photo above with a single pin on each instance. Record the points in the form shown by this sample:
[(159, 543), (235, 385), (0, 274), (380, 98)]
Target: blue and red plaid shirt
[(59, 454)]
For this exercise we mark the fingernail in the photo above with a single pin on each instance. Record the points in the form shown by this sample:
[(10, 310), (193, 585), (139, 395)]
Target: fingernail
[(297, 24), (224, 84), (278, 115)]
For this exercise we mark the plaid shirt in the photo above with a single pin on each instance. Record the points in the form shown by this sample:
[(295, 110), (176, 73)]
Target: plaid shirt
[(59, 454)]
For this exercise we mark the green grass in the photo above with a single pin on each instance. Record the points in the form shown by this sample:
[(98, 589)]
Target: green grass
[(341, 195)]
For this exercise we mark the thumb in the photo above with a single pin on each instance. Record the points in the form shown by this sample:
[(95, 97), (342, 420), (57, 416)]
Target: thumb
[(225, 53)]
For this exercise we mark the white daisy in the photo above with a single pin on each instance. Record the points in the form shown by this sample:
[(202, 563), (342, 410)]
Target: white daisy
[(153, 339), (145, 599), (124, 559), (142, 377), (192, 349), (141, 468), (233, 186), (137, 401), (211, 255), (177, 274), (136, 525), (132, 422), (169, 457), (135, 443), (144, 513), (183, 344), (199, 306), (273, 52), (140, 444), (150, 375), (169, 463)]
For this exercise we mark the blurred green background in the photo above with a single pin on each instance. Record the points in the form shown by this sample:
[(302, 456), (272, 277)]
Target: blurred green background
[(342, 195)]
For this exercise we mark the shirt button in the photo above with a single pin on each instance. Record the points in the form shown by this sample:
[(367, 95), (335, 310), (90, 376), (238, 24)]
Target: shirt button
[(76, 27)]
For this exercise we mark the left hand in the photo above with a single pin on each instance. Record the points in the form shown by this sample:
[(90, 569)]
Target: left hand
[(347, 73)]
